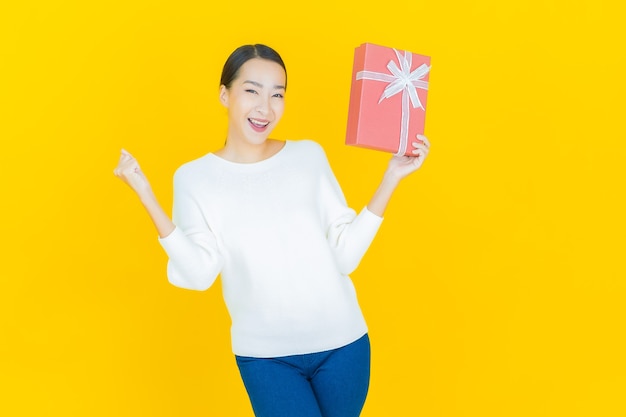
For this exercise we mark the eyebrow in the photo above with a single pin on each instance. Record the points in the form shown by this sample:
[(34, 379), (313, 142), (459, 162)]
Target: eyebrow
[(259, 85)]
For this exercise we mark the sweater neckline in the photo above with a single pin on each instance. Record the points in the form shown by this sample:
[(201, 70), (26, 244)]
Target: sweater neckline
[(251, 165)]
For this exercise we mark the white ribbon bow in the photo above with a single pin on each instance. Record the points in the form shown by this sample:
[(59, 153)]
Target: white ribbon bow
[(401, 80)]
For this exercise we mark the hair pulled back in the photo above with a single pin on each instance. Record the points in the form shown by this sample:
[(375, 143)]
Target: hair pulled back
[(245, 53)]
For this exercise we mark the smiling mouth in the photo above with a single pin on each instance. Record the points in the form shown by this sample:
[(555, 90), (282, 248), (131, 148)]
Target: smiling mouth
[(258, 123)]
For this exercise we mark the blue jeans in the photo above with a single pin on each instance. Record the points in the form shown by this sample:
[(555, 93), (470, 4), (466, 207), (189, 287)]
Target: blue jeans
[(332, 383)]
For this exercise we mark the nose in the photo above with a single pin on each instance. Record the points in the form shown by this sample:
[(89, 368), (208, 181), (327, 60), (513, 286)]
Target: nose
[(262, 105)]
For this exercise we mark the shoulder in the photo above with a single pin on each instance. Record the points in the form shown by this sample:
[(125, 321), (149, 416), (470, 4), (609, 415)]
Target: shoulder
[(189, 171), (308, 147)]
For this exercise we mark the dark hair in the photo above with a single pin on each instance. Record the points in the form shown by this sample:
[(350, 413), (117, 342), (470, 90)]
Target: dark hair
[(245, 53)]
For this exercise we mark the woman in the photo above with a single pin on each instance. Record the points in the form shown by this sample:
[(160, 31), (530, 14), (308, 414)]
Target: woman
[(270, 217)]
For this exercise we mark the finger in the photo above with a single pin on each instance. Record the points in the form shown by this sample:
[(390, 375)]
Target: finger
[(124, 158), (423, 139), (125, 155), (419, 147), (121, 171)]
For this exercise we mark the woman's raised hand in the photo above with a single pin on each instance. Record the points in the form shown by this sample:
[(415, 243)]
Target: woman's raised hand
[(398, 168), (401, 166), (128, 170)]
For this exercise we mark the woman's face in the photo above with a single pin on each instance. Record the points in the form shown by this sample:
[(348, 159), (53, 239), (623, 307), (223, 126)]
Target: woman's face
[(255, 100)]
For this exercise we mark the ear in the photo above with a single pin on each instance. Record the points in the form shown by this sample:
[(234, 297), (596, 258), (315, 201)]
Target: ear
[(224, 95)]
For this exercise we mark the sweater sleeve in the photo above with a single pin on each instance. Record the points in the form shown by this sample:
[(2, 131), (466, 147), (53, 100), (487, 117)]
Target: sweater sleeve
[(194, 258), (349, 235)]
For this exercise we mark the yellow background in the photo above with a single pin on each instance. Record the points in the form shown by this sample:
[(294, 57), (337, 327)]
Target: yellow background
[(495, 287)]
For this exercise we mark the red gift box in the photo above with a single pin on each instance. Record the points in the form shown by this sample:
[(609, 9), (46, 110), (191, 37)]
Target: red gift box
[(387, 98)]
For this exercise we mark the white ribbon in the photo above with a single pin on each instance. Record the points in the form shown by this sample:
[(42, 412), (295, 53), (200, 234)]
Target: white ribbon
[(401, 80)]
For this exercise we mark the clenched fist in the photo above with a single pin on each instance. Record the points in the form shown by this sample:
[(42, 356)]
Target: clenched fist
[(128, 170)]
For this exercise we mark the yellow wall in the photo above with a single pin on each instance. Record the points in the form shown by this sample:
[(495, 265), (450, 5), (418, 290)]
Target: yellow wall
[(495, 287)]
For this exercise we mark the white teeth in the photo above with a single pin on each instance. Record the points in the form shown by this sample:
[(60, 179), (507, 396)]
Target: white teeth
[(257, 123)]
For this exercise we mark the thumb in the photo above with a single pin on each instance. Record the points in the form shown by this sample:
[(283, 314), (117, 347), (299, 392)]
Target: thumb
[(125, 156)]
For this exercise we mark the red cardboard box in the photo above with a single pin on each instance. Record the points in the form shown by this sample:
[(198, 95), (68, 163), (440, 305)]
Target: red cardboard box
[(387, 98)]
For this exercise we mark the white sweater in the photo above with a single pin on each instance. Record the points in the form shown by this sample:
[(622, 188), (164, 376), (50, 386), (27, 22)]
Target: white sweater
[(284, 241)]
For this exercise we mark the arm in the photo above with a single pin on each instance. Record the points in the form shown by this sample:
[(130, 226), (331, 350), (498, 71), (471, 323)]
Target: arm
[(194, 260), (128, 170), (351, 236), (398, 168), (348, 235)]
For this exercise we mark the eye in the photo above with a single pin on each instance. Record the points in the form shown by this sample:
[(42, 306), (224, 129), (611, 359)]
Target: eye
[(278, 95), (251, 91)]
